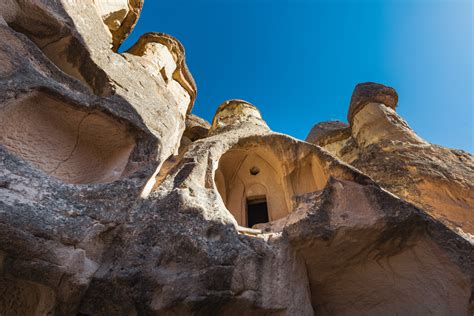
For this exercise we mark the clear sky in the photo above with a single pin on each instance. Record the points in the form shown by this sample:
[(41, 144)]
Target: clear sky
[(298, 61)]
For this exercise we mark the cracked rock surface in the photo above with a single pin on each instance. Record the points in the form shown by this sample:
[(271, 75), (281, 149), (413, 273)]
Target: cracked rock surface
[(116, 200)]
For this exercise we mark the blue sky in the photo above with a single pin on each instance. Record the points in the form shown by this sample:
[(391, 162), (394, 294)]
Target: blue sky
[(298, 61)]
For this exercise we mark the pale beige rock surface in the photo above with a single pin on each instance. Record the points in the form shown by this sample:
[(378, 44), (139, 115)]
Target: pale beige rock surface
[(119, 16), (115, 200)]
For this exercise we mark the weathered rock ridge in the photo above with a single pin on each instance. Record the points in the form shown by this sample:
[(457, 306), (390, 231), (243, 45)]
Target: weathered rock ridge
[(116, 200), (382, 145)]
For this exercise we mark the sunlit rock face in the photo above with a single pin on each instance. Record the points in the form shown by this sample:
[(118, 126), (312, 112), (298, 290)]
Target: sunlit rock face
[(327, 132), (119, 16), (381, 144), (113, 12), (235, 114), (116, 200)]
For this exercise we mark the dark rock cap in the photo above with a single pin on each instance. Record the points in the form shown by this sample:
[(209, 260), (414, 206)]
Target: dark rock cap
[(370, 92), (327, 132), (233, 114)]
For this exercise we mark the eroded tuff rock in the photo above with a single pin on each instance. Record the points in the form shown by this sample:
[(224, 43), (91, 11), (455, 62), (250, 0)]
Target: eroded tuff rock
[(115, 200), (196, 128), (328, 132), (371, 92), (382, 145), (120, 16)]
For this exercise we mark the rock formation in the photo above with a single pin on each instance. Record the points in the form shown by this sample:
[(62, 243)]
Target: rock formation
[(116, 200), (382, 145)]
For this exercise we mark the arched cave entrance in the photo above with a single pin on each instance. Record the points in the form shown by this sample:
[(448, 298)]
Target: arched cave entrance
[(260, 184)]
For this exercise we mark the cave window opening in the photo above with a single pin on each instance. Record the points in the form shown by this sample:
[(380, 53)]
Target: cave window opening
[(257, 211), (254, 171)]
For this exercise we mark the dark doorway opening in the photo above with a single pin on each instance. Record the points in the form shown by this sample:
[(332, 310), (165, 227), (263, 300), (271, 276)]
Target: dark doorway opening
[(257, 212)]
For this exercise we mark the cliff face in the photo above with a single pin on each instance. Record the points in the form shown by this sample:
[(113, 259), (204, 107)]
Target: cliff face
[(115, 200)]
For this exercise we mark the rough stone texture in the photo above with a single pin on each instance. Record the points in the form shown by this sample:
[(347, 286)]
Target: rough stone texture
[(156, 48), (114, 200), (327, 132), (120, 16), (234, 114), (74, 146), (382, 145), (196, 127), (371, 92)]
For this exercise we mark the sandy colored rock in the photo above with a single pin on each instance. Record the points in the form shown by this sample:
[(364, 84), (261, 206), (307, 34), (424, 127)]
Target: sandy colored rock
[(196, 127), (115, 200), (437, 179), (70, 57), (152, 46), (120, 16), (74, 146), (234, 114), (328, 132)]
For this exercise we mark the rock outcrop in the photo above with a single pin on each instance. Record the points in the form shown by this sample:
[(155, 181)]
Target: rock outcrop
[(120, 16), (116, 200), (382, 145)]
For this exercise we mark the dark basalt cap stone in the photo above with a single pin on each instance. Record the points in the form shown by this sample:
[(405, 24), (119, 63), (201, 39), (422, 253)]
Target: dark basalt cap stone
[(370, 92)]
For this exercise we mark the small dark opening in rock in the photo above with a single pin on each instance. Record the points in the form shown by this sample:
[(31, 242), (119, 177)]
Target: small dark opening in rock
[(254, 171), (257, 212)]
